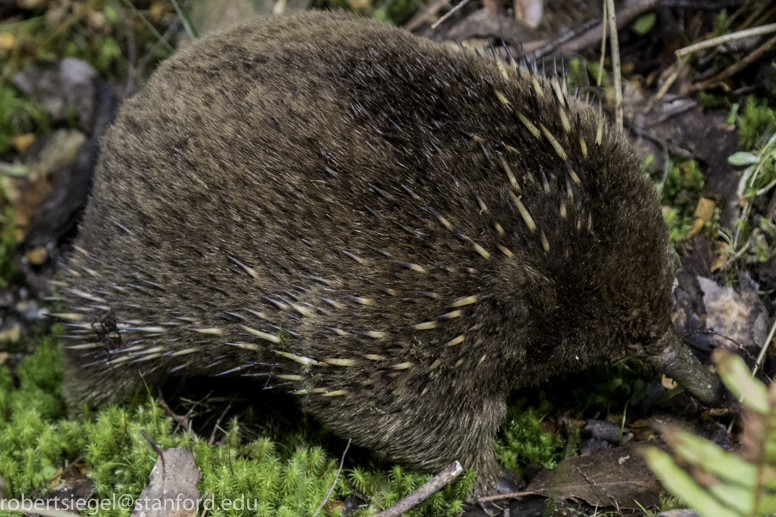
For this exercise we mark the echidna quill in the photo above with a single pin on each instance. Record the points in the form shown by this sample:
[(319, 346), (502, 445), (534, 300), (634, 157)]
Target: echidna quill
[(398, 232)]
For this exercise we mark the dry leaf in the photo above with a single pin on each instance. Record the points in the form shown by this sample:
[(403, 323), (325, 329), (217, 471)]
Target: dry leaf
[(158, 9), (29, 4), (668, 383), (7, 41), (740, 317), (11, 334), (719, 255), (529, 12), (26, 194), (37, 256), (607, 477), (704, 211), (22, 142), (172, 490)]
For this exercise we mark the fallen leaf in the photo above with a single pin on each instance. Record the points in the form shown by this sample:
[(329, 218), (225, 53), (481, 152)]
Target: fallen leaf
[(607, 477), (685, 512), (26, 194), (29, 4), (172, 490), (158, 9), (37, 256), (668, 383), (704, 211), (68, 490), (11, 334), (22, 142), (741, 317), (529, 12), (720, 257), (7, 41)]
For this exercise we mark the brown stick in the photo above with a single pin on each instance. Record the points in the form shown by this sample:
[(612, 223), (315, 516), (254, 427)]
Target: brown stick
[(336, 478), (736, 67), (425, 13), (616, 71), (449, 473), (623, 18)]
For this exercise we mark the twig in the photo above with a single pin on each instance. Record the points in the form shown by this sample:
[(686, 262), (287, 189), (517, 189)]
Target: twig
[(149, 25), (157, 449), (702, 4), (615, 48), (154, 50), (715, 333), (542, 49), (508, 495), (668, 116), (449, 473), (756, 15), (623, 18), (737, 255), (604, 26), (218, 422), (331, 488), (663, 147), (188, 26), (449, 13), (733, 36), (154, 445), (425, 13), (736, 67), (764, 348), (667, 84), (188, 414), (131, 50), (181, 420)]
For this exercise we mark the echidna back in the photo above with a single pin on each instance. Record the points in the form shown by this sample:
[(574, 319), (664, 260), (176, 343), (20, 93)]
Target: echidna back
[(378, 223)]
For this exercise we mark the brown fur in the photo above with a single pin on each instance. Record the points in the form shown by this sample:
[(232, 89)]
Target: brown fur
[(318, 178)]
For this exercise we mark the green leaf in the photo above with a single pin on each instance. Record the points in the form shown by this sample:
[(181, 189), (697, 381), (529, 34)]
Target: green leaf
[(738, 498), (15, 170), (738, 379), (711, 457), (680, 484), (767, 504), (743, 158), (644, 24)]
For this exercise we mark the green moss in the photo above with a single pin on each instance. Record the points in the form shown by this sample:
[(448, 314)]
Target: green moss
[(32, 445), (602, 389), (522, 439), (721, 24), (290, 478), (8, 269), (712, 102), (681, 192), (595, 70), (756, 124), (19, 115)]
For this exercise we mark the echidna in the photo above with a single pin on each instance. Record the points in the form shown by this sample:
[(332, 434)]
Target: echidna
[(398, 232)]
